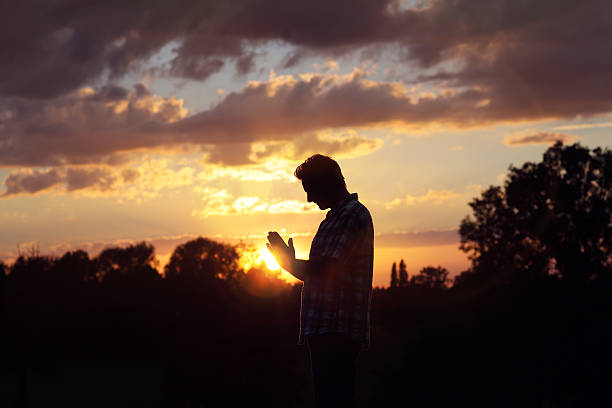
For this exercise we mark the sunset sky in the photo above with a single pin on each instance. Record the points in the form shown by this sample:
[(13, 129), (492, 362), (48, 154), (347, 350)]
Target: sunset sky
[(166, 120)]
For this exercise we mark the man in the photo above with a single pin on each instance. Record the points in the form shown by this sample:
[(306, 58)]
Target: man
[(337, 290)]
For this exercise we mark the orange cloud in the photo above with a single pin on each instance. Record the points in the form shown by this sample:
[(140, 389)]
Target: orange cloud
[(538, 137)]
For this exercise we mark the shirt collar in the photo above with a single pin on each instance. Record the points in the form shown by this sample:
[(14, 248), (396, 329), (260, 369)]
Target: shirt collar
[(349, 198)]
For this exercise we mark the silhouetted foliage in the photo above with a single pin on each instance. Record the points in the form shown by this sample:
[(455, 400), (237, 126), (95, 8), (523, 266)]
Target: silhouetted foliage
[(430, 277), (549, 218), (32, 268), (204, 260), (394, 281), (74, 267), (403, 274), (135, 262)]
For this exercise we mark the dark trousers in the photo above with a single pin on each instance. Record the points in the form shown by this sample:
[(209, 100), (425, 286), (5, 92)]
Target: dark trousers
[(333, 363)]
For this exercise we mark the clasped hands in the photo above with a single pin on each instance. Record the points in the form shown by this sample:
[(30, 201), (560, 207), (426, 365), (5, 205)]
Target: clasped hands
[(283, 253)]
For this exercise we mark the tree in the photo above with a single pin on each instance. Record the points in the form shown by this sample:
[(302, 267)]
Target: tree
[(431, 277), (403, 274), (135, 262), (75, 267), (33, 268), (549, 218), (394, 282), (204, 260)]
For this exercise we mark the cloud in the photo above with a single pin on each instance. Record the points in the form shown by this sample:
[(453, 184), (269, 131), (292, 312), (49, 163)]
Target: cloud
[(28, 181), (435, 197), (219, 202), (130, 175), (538, 137), (520, 52), (287, 117), (145, 180), (87, 126), (584, 126), (79, 44), (94, 178), (338, 145), (286, 106), (97, 126), (31, 181), (486, 62)]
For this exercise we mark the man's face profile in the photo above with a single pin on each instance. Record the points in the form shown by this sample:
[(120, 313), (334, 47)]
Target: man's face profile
[(315, 194)]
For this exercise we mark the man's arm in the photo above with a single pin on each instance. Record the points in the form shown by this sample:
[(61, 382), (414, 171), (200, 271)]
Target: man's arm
[(300, 268), (328, 267)]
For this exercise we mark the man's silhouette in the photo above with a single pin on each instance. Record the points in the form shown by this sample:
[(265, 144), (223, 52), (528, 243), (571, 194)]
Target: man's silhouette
[(337, 290)]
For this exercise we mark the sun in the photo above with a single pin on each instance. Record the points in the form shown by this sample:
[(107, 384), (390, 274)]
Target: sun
[(268, 258)]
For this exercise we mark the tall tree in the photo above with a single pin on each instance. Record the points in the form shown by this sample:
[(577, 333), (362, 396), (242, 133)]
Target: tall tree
[(394, 281), (552, 217), (403, 274)]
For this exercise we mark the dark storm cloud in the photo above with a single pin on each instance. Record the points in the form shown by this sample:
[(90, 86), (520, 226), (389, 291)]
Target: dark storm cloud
[(49, 48), (68, 43), (504, 61), (556, 46)]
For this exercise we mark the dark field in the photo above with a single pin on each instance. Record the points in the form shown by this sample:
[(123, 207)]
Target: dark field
[(542, 346)]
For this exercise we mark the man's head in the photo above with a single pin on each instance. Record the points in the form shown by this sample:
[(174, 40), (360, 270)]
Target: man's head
[(322, 180)]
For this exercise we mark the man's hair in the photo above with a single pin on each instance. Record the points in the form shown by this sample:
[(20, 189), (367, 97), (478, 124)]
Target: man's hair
[(320, 170)]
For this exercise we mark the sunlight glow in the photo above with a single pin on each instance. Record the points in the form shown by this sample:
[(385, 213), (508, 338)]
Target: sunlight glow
[(268, 258), (262, 258)]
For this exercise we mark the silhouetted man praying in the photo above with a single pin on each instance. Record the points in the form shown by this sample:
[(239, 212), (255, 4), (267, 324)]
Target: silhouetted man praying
[(337, 290)]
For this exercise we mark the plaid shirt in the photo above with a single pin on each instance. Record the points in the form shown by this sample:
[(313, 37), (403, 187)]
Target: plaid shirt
[(342, 302)]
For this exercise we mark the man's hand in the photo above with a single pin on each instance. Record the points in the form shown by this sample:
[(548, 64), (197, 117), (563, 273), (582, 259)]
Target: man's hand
[(284, 254)]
